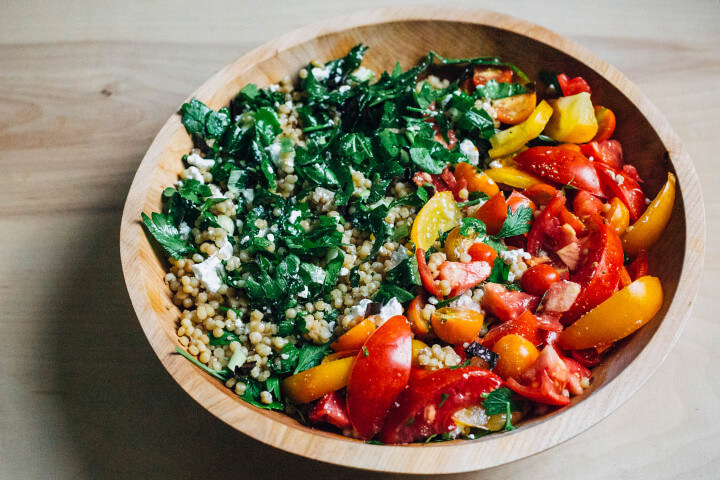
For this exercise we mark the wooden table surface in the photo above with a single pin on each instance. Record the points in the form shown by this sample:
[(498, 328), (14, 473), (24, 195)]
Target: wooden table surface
[(84, 88)]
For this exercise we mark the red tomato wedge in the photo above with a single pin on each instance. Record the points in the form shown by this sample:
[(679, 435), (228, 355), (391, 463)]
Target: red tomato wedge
[(493, 213), (623, 187), (545, 230), (425, 275), (608, 152), (525, 325), (561, 165), (507, 304), (380, 373), (482, 74), (639, 267), (586, 204), (331, 409), (599, 270), (545, 381), (572, 86), (426, 407), (463, 276), (540, 193), (606, 123)]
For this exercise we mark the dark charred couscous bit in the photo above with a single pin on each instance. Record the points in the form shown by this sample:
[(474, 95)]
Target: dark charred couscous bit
[(318, 214)]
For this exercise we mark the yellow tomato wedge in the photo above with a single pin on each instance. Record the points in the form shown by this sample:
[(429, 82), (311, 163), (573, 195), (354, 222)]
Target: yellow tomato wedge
[(648, 228), (316, 382), (513, 177), (573, 119), (355, 338), (438, 215), (514, 138), (417, 345), (617, 317), (457, 325)]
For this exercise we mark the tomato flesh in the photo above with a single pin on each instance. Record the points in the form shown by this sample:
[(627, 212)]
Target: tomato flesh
[(507, 304), (381, 371), (561, 165), (608, 152), (425, 275), (545, 381), (463, 276), (331, 409), (426, 407), (481, 252), (623, 187), (572, 86), (526, 325)]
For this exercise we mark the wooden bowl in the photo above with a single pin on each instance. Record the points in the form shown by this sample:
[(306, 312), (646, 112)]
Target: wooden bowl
[(407, 34)]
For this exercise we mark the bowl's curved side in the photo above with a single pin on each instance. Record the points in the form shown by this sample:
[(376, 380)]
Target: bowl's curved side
[(631, 365)]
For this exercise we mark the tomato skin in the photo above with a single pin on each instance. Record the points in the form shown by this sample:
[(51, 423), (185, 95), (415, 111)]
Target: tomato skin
[(563, 166), (537, 279), (540, 193), (608, 152), (455, 184), (516, 109), (516, 355), (638, 267), (586, 204), (493, 213), (426, 407), (331, 409), (482, 74), (506, 304), (525, 325), (381, 371), (425, 275), (599, 271), (517, 200), (618, 215), (457, 325), (475, 181), (481, 252), (572, 86), (545, 229), (606, 123), (587, 357), (545, 381), (463, 276), (626, 190), (418, 325), (354, 338)]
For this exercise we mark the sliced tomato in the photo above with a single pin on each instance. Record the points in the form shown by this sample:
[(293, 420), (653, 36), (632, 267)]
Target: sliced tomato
[(331, 409), (599, 270), (623, 187), (454, 184), (481, 252), (493, 213), (572, 86), (561, 296), (517, 200), (545, 381), (537, 279), (550, 322), (507, 304), (606, 123), (625, 279), (638, 267), (525, 325), (418, 325), (546, 229), (586, 204), (482, 74), (423, 178), (451, 140), (380, 372), (632, 172), (540, 193), (567, 217), (588, 357), (577, 373), (463, 276), (561, 165), (516, 109), (608, 152), (425, 275), (426, 407)]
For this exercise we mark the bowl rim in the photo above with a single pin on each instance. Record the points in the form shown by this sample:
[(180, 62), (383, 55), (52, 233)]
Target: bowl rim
[(424, 458)]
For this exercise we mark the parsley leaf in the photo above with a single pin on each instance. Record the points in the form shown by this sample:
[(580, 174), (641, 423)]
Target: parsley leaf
[(516, 223), (499, 400), (470, 225), (166, 233), (311, 356)]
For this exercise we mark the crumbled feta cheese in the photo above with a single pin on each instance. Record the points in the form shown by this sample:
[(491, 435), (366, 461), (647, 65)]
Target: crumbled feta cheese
[(433, 301), (209, 273), (389, 310), (512, 256), (344, 88), (469, 149), (304, 293), (270, 237), (647, 201), (194, 174), (274, 151), (344, 271), (249, 194), (199, 161), (226, 251), (274, 87), (184, 231), (591, 158), (359, 309), (495, 164), (216, 193), (320, 73), (294, 215), (486, 104), (362, 74), (397, 258), (464, 301)]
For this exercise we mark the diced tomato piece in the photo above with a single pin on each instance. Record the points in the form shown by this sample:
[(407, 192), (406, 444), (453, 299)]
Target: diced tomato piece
[(586, 204), (561, 296), (545, 381), (507, 304), (463, 276), (426, 407), (577, 373), (572, 86), (588, 357), (425, 275), (525, 325), (423, 178), (482, 74), (566, 217), (540, 193), (481, 252), (550, 322), (546, 229), (453, 183), (623, 187), (420, 327), (608, 152), (493, 213), (517, 200), (606, 123), (537, 279), (632, 172), (561, 165), (331, 409), (639, 267)]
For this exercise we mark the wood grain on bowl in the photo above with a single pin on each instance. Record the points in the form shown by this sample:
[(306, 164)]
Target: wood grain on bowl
[(406, 35)]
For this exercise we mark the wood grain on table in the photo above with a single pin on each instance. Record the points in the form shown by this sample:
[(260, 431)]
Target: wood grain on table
[(84, 87)]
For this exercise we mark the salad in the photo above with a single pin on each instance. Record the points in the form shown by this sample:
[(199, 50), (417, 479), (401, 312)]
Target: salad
[(410, 256)]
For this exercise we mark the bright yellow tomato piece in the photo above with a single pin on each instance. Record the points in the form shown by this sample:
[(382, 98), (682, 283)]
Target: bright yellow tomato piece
[(417, 345), (516, 355), (317, 382), (476, 417), (617, 317), (514, 138), (438, 215), (573, 119), (457, 325), (643, 233), (513, 177)]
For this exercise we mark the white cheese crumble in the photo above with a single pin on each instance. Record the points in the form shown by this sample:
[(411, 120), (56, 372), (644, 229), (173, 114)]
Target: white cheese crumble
[(226, 251), (216, 193), (199, 161), (305, 292), (294, 215), (433, 301), (389, 310), (344, 271), (397, 257), (320, 73), (209, 273), (359, 309), (466, 302), (249, 194), (495, 164), (362, 74), (512, 256), (194, 173), (469, 149), (647, 201), (344, 88), (274, 151)]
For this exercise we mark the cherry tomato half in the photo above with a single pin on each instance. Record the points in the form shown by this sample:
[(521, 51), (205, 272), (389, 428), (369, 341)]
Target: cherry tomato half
[(516, 355), (536, 280)]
